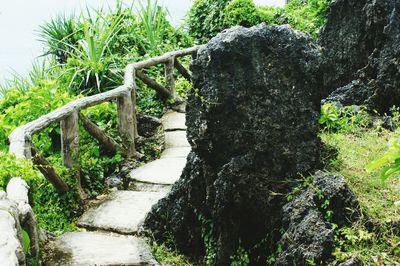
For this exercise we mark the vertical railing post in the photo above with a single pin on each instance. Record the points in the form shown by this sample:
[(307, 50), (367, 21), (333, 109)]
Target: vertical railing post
[(133, 100), (130, 82), (194, 55), (169, 76), (70, 145), (126, 121)]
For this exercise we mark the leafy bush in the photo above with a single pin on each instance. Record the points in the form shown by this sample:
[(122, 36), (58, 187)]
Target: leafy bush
[(304, 15), (343, 119), (53, 211), (206, 18), (241, 12), (88, 53), (19, 107)]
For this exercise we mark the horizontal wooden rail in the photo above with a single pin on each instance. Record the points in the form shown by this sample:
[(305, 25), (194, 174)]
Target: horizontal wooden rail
[(164, 58), (69, 115)]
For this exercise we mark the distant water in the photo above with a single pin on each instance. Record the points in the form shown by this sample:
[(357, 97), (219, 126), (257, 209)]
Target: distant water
[(20, 20)]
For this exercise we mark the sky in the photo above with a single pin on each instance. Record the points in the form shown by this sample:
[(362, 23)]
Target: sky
[(20, 20)]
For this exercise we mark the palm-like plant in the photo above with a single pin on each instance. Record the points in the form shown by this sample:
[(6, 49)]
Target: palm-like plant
[(91, 60), (58, 34)]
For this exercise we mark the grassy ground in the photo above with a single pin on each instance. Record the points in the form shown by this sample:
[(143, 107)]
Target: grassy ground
[(380, 200)]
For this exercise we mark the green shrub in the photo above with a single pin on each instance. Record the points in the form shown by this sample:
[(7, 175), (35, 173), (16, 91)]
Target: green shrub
[(18, 108), (53, 211), (241, 12), (206, 18), (305, 15), (343, 119)]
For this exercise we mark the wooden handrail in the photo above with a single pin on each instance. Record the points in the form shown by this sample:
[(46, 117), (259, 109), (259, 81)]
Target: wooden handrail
[(164, 58), (21, 138)]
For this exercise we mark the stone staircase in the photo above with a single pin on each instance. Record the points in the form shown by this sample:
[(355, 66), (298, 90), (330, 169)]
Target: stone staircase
[(108, 232)]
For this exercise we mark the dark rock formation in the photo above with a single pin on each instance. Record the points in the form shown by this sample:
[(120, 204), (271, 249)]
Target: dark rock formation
[(253, 127), (148, 126), (361, 42), (307, 219)]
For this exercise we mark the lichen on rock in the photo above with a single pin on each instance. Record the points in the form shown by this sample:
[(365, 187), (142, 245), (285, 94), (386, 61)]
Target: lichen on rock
[(252, 123)]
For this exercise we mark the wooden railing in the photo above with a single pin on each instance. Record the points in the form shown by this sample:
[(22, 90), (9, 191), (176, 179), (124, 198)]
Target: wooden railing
[(68, 116)]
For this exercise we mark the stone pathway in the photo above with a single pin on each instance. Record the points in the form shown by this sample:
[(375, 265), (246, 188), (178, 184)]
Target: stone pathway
[(108, 232)]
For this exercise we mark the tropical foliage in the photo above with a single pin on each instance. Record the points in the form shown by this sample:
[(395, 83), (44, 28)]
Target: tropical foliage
[(84, 54), (207, 18)]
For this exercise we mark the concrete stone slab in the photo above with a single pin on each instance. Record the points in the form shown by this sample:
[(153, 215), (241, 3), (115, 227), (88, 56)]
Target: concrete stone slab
[(179, 152), (172, 120), (174, 139), (123, 212), (161, 171), (94, 248)]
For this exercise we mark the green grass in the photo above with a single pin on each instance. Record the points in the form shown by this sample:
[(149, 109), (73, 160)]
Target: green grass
[(166, 256), (378, 199)]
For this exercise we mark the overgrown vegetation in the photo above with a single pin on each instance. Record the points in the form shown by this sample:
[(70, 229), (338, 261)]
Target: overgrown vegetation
[(357, 147), (85, 54), (207, 18)]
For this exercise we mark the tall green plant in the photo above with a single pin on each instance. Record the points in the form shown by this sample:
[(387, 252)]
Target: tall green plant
[(58, 35), (154, 25), (90, 64)]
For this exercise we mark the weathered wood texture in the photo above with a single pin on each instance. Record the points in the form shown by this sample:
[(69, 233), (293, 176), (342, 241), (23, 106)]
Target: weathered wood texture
[(21, 137), (70, 146), (164, 58), (162, 92), (181, 69), (106, 141), (48, 171), (70, 139), (170, 77), (126, 125)]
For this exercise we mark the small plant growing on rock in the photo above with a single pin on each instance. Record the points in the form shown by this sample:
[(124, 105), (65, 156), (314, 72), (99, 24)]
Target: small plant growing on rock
[(343, 119)]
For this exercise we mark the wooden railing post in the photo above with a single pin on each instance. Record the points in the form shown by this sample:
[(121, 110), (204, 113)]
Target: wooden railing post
[(70, 145), (133, 100), (48, 171), (126, 124), (169, 76)]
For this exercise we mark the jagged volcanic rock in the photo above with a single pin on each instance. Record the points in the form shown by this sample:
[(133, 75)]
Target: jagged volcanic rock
[(307, 219), (361, 42), (252, 124)]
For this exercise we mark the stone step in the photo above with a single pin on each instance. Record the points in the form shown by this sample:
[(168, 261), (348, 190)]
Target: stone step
[(173, 121), (179, 152), (95, 248), (142, 186), (123, 212), (161, 171), (176, 139)]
